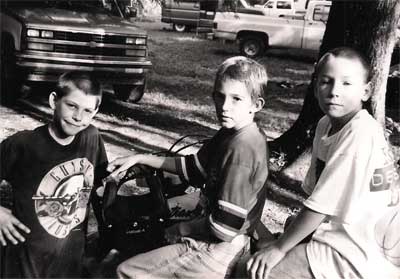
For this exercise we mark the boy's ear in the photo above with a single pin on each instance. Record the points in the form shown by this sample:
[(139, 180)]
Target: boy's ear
[(53, 99), (367, 92), (259, 104)]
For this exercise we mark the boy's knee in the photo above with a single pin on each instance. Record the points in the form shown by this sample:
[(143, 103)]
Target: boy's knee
[(128, 269), (123, 271)]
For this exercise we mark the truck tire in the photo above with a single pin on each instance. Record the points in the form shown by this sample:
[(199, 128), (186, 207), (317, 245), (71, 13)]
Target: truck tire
[(10, 85), (179, 27), (129, 93), (251, 46)]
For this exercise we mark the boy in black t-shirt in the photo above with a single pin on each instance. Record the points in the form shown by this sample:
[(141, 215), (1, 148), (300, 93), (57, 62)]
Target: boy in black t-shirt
[(52, 170), (233, 168)]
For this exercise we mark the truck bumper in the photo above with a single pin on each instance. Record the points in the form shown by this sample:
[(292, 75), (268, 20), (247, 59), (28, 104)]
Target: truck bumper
[(37, 67)]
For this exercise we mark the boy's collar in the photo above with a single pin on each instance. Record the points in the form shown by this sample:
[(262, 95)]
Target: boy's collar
[(60, 141), (233, 131)]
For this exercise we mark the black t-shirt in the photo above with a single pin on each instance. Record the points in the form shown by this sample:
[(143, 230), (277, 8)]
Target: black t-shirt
[(51, 185)]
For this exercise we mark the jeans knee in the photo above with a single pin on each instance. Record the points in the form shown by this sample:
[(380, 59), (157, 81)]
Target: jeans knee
[(128, 270), (121, 271)]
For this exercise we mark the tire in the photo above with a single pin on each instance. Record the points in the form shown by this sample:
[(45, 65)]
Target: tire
[(129, 93), (252, 46), (179, 27), (10, 84)]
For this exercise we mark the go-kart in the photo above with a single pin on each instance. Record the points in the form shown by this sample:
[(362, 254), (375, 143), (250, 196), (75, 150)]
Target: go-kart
[(132, 213)]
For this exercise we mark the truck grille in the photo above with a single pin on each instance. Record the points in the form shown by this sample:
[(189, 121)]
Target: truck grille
[(95, 51), (83, 37), (119, 49)]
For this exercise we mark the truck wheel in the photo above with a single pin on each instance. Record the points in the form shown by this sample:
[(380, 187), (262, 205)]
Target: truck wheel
[(179, 27), (10, 86), (129, 93), (251, 46)]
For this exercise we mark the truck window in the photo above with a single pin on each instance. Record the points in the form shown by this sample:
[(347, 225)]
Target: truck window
[(283, 5), (231, 5), (270, 5), (321, 13)]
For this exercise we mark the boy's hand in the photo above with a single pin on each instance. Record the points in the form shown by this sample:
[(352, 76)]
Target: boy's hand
[(261, 263), (118, 167), (8, 227)]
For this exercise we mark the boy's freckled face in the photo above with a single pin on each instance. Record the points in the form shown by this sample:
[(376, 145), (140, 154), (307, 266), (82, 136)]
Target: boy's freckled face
[(341, 88), (234, 106), (74, 112)]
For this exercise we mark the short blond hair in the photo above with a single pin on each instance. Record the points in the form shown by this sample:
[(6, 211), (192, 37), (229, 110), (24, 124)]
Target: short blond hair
[(83, 81), (245, 70), (348, 53)]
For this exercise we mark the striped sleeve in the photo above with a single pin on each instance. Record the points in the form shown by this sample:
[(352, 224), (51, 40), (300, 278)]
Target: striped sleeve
[(227, 221), (191, 169), (235, 200)]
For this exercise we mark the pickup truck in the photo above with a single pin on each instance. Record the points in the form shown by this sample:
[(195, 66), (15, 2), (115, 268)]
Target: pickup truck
[(42, 39), (256, 32)]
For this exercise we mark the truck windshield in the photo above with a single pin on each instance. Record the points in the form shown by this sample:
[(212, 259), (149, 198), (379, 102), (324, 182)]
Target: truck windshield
[(97, 6)]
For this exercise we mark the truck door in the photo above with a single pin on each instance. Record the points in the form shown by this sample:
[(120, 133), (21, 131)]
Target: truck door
[(166, 11), (185, 12), (314, 27), (208, 9)]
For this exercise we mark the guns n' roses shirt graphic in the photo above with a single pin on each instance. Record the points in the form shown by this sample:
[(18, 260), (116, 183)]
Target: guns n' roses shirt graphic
[(51, 186), (62, 196)]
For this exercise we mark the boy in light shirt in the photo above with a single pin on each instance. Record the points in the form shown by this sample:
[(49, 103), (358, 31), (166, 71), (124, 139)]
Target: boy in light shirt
[(353, 208)]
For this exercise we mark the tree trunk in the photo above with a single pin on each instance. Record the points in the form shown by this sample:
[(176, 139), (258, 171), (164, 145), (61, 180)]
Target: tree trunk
[(368, 26)]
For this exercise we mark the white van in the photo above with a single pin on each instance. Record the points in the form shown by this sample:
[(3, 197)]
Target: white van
[(278, 7)]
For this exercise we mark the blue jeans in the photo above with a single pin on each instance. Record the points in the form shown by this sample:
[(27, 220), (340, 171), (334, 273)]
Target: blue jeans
[(293, 266), (188, 259)]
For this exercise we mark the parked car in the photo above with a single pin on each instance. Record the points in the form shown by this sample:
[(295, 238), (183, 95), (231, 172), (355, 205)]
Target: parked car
[(42, 39), (278, 7), (188, 14), (255, 32)]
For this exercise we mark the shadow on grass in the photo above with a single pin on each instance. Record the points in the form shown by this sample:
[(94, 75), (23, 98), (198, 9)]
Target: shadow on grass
[(155, 118), (229, 49), (129, 142), (284, 106), (292, 55), (226, 51)]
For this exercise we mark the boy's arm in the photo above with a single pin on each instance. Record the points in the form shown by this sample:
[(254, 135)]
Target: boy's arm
[(9, 226), (158, 162), (261, 263)]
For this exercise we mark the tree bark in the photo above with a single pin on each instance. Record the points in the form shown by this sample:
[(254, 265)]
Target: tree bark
[(368, 26)]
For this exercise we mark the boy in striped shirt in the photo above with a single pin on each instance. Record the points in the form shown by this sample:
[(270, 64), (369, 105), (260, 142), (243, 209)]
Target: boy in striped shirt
[(231, 170)]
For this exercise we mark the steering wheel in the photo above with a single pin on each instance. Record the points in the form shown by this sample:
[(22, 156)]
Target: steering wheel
[(116, 208)]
